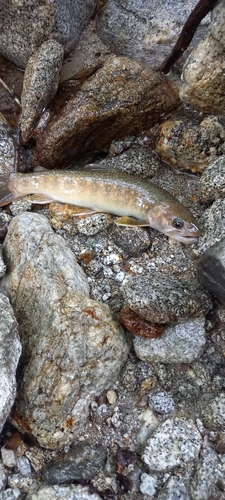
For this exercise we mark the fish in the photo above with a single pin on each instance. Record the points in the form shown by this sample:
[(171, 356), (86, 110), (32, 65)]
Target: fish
[(139, 203)]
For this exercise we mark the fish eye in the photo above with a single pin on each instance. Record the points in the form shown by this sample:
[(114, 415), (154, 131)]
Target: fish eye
[(177, 223)]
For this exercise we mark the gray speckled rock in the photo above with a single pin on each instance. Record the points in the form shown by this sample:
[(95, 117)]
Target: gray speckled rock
[(136, 161), (41, 79), (132, 240), (2, 264), (25, 25), (173, 444), (10, 351), (204, 485), (212, 181), (174, 489), (72, 348), (62, 492), (11, 494), (146, 32), (92, 225), (213, 412), (162, 402), (203, 81), (164, 299), (218, 22), (181, 343), (213, 225), (3, 478), (7, 147), (211, 270)]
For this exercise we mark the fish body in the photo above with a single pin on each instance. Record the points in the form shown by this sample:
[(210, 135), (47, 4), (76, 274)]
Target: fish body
[(112, 192)]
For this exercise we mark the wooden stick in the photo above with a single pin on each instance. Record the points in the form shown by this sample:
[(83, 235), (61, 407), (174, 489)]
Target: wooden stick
[(202, 8)]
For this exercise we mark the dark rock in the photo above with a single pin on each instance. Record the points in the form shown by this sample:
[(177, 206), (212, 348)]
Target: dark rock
[(211, 270), (82, 462)]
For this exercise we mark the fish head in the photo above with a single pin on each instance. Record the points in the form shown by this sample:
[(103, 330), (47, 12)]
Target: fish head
[(175, 222)]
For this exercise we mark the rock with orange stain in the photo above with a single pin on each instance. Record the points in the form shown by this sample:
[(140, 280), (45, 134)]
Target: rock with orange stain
[(73, 349), (186, 145), (139, 326)]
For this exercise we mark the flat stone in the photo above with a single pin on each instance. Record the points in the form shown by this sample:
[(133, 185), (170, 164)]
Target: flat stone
[(163, 299), (211, 270), (10, 352), (173, 444), (203, 80), (122, 98), (72, 348), (180, 343)]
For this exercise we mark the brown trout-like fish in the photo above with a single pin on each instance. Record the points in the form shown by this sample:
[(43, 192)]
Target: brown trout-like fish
[(137, 201)]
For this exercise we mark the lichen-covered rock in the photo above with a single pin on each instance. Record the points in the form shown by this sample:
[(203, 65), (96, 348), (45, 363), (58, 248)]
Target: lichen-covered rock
[(203, 81), (212, 181), (122, 98), (180, 343), (72, 348), (10, 351), (174, 443), (165, 299), (190, 145)]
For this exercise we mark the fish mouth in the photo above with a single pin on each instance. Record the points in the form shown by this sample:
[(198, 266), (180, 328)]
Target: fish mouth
[(183, 238)]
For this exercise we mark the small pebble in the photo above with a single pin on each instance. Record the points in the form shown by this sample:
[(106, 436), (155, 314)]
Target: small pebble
[(111, 397)]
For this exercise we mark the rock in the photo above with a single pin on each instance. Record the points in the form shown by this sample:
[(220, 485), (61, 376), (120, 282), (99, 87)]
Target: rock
[(136, 161), (218, 22), (2, 264), (211, 270), (181, 343), (3, 478), (174, 443), (163, 299), (62, 492), (188, 144), (206, 481), (24, 484), (132, 240), (9, 356), (11, 494), (213, 224), (145, 32), (212, 184), (182, 382), (174, 489), (121, 98), (93, 224), (148, 484), (203, 81), (41, 79), (73, 350), (81, 463), (8, 457), (162, 402), (51, 27), (213, 412), (7, 146), (24, 27)]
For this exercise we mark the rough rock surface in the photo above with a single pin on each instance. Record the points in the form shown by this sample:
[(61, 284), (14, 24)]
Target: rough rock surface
[(73, 350), (212, 223), (146, 32), (203, 82), (211, 270), (121, 98), (181, 343), (163, 453), (190, 145), (7, 147), (206, 481), (218, 22), (212, 183), (24, 26), (41, 79), (56, 492), (164, 299), (10, 352)]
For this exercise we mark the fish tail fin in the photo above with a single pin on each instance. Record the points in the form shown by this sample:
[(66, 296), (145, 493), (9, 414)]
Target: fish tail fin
[(6, 196)]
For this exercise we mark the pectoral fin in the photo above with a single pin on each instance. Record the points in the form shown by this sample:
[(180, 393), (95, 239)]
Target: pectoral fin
[(130, 221)]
